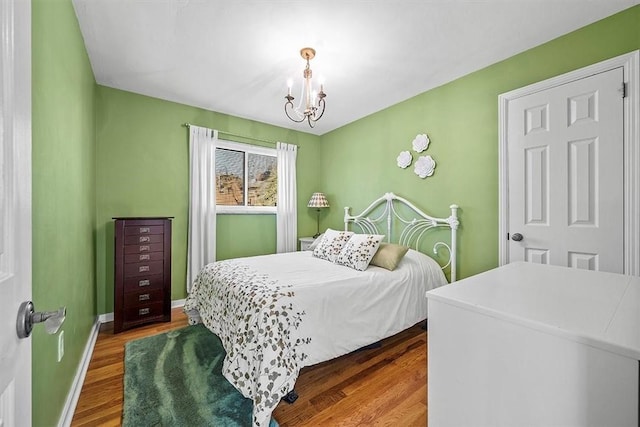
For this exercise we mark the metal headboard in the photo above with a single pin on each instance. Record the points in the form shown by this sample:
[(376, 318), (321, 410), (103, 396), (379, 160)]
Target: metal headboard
[(412, 230)]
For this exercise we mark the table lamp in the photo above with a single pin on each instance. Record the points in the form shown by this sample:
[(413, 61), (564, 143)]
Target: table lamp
[(318, 201)]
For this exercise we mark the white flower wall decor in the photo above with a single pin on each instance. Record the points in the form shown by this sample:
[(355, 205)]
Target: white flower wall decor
[(424, 166), (404, 159), (420, 143)]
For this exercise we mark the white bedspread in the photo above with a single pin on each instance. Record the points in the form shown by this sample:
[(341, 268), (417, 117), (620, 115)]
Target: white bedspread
[(347, 309), (324, 311)]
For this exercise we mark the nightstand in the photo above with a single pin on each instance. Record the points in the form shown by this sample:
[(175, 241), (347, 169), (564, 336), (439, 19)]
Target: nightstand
[(305, 242)]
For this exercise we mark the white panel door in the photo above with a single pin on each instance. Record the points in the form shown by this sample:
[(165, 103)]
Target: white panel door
[(15, 208), (565, 189)]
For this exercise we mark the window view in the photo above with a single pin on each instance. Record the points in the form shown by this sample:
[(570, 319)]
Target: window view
[(245, 179), (263, 180), (229, 177)]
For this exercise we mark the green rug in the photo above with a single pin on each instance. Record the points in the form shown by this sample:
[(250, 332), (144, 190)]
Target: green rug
[(175, 379)]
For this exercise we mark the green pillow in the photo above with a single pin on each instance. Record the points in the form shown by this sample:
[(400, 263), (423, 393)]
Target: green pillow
[(389, 255)]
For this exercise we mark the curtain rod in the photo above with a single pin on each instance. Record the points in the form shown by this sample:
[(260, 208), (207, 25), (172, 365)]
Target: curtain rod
[(188, 125)]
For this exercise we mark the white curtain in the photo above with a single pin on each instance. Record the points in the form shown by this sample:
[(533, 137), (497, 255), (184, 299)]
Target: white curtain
[(202, 200), (287, 218)]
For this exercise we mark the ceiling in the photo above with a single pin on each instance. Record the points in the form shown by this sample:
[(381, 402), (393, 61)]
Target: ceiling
[(235, 56)]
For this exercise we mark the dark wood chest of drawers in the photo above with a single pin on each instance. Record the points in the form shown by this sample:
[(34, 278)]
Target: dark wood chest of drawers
[(142, 282)]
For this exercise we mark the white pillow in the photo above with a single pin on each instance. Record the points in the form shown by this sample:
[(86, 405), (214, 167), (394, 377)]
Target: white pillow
[(331, 244), (359, 250)]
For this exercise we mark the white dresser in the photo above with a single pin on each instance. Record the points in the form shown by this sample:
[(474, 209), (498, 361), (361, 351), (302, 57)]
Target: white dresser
[(535, 345)]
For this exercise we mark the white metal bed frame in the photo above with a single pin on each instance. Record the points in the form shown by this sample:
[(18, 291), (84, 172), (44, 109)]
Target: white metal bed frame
[(413, 230)]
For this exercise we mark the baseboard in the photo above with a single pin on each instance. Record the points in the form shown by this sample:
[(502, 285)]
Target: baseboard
[(105, 318), (76, 387)]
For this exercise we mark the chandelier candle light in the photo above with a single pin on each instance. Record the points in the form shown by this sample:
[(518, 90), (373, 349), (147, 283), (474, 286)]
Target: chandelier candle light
[(313, 101), (318, 201)]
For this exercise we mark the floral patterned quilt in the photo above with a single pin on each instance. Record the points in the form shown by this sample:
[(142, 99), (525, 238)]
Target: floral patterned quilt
[(257, 322)]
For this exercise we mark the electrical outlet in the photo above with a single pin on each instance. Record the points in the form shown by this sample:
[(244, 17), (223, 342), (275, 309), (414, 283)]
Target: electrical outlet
[(60, 345)]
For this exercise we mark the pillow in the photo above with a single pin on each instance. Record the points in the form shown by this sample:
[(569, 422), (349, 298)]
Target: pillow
[(331, 244), (315, 243), (359, 250), (389, 255)]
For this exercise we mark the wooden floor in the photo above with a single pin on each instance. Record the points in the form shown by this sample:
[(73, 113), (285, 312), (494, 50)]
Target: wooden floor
[(386, 386)]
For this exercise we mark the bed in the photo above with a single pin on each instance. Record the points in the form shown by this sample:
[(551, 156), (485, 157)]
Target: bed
[(276, 314)]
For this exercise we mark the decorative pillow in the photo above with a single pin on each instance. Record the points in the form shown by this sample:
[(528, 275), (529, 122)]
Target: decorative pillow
[(389, 255), (359, 250), (331, 244), (316, 242)]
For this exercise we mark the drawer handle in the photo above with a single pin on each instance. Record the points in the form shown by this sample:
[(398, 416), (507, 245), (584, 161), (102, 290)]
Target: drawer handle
[(144, 282), (145, 257), (144, 248), (143, 311), (145, 239), (144, 229), (143, 297), (143, 268)]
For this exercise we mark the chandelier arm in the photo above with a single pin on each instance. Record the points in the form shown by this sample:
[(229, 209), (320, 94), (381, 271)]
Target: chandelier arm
[(289, 103), (321, 101), (311, 122)]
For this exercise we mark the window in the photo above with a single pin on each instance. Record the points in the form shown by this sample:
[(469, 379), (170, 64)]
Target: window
[(246, 178)]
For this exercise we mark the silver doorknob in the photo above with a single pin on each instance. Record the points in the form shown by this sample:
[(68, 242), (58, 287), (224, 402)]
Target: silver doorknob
[(27, 317), (516, 237)]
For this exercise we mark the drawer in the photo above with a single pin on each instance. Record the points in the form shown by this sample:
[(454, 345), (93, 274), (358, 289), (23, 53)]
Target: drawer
[(134, 314), (143, 268), (142, 222), (144, 247), (143, 230), (140, 239), (142, 298), (144, 256), (146, 283)]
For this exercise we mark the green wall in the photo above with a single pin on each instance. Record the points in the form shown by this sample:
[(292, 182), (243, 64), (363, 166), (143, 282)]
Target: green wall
[(461, 119), (143, 169), (63, 119)]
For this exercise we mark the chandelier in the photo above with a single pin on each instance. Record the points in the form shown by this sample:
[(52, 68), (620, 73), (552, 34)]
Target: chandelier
[(311, 106)]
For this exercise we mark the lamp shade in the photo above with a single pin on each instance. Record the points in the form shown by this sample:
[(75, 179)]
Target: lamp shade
[(318, 200)]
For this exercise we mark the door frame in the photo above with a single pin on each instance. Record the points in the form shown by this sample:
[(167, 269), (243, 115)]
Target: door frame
[(630, 62)]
